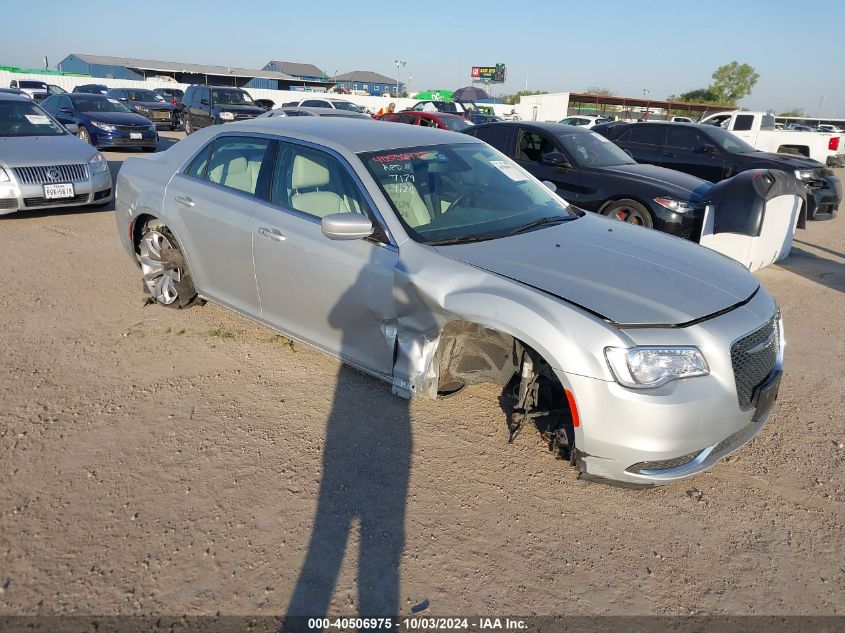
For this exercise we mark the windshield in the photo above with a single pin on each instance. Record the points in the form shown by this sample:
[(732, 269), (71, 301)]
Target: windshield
[(346, 105), (593, 150), (143, 95), (444, 193), (20, 118), (728, 142), (455, 123), (99, 104), (231, 97)]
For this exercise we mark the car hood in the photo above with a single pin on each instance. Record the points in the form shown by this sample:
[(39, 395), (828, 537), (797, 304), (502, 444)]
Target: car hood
[(115, 118), (44, 150), (242, 109), (155, 105), (790, 160), (665, 180), (626, 274)]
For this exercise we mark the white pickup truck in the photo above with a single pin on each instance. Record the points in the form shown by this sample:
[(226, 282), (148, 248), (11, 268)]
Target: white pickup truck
[(758, 129)]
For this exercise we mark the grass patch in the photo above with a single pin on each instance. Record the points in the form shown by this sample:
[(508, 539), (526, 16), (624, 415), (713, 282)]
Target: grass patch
[(284, 340), (222, 333)]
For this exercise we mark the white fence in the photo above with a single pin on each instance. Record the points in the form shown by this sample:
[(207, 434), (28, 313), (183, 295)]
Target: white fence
[(277, 96)]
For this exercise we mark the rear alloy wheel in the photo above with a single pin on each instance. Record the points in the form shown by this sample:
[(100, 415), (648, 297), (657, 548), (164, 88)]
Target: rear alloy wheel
[(166, 277), (83, 135), (629, 211), (189, 127)]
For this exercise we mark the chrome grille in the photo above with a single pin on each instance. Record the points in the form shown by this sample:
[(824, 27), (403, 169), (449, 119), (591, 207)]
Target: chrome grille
[(48, 174), (753, 358), (132, 128)]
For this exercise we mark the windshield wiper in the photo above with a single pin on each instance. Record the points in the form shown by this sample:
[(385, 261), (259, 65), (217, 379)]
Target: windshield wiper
[(543, 221), (461, 239)]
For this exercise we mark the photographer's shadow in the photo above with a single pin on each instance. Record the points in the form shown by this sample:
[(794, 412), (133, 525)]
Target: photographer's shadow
[(366, 468)]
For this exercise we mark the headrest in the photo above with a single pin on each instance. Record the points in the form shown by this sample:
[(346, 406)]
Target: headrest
[(308, 172)]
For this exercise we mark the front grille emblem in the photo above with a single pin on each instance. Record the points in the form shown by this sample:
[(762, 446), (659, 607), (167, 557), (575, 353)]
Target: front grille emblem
[(53, 174), (763, 345)]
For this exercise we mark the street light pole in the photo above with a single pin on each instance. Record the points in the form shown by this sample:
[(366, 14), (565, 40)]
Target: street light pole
[(398, 63)]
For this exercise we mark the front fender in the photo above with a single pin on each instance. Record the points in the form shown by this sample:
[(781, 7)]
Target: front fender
[(432, 291)]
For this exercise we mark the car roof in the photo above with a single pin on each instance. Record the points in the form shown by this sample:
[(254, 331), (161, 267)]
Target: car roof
[(355, 135), (333, 112), (433, 115), (12, 96), (550, 128)]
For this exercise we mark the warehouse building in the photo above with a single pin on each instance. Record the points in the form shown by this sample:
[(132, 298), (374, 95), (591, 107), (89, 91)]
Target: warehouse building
[(141, 69), (367, 81)]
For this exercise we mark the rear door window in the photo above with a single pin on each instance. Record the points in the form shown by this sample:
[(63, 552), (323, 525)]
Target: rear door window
[(683, 138), (495, 135), (743, 122), (534, 147), (235, 163), (644, 134)]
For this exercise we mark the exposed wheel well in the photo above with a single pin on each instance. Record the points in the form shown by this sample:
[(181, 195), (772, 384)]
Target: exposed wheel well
[(470, 353), (138, 228)]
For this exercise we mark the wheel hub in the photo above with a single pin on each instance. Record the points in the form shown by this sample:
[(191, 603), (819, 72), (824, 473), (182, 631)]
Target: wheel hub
[(160, 274)]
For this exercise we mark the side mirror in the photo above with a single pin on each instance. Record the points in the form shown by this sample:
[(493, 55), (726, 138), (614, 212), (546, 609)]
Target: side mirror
[(707, 149), (557, 159), (346, 226), (73, 128), (203, 101), (550, 186)]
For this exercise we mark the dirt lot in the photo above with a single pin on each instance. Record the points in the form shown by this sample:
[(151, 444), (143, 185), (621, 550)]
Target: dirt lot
[(154, 461)]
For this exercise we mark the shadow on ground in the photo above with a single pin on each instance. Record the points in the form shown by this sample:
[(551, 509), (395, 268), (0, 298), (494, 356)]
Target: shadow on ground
[(824, 271)]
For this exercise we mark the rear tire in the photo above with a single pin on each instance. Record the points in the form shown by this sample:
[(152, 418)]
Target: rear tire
[(189, 127), (164, 269), (629, 211)]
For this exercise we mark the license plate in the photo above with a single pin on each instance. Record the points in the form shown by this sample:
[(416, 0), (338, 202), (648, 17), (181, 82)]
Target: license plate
[(766, 395), (135, 135), (52, 192)]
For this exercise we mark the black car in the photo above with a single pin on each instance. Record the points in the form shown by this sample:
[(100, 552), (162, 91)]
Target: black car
[(93, 89), (148, 104), (213, 105), (594, 174), (714, 154)]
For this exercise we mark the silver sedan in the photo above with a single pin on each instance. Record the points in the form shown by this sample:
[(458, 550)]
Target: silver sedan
[(431, 261), (42, 165)]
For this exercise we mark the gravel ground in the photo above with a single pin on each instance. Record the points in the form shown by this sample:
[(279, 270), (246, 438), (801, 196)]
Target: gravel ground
[(154, 461)]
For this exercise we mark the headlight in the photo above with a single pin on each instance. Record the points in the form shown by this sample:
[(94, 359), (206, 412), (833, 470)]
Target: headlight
[(103, 126), (4, 177), (98, 163), (805, 174), (649, 367), (227, 116), (674, 205)]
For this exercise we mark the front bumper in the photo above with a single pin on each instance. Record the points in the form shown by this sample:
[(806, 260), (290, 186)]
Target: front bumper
[(149, 138), (161, 117), (15, 196), (823, 197), (658, 436)]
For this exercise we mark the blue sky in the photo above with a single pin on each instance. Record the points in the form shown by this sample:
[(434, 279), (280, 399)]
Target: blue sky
[(629, 45)]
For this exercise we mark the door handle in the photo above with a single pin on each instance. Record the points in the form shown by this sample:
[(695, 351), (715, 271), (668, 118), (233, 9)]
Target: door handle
[(186, 200), (273, 234)]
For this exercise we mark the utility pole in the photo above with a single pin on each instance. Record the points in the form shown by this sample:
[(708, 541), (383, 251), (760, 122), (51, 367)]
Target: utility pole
[(398, 63)]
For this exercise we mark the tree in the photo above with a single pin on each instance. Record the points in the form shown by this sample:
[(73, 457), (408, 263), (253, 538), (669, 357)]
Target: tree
[(793, 112), (733, 81), (514, 99), (596, 90), (701, 95)]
